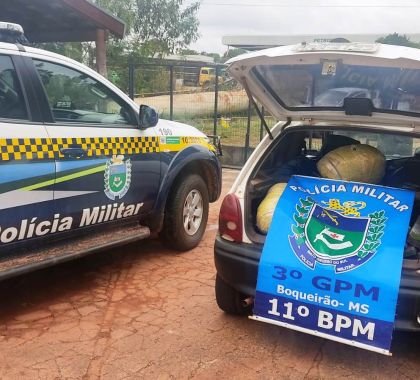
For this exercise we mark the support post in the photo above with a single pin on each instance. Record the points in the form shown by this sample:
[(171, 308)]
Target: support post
[(216, 104), (131, 81), (101, 52), (262, 124), (171, 92), (248, 131)]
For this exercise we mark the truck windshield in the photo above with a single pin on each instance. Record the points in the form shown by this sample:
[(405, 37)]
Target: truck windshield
[(327, 85)]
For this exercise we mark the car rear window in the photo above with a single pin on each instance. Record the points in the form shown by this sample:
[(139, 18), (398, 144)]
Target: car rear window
[(327, 84), (391, 145)]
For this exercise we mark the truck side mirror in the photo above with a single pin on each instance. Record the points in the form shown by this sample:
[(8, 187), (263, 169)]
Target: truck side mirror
[(148, 117)]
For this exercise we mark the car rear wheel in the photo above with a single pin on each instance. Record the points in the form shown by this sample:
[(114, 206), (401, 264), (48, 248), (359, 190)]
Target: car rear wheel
[(229, 299), (186, 214)]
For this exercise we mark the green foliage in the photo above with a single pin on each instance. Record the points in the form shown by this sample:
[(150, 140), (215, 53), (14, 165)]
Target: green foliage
[(152, 81), (307, 203), (74, 50), (188, 52), (398, 39), (301, 210), (165, 26), (300, 218), (124, 10), (374, 233), (217, 58), (296, 230), (66, 86), (152, 27)]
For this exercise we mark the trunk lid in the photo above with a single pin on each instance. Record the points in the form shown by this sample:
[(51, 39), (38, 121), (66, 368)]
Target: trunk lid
[(355, 82)]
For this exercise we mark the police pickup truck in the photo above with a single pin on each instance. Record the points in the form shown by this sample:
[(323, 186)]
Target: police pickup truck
[(82, 167)]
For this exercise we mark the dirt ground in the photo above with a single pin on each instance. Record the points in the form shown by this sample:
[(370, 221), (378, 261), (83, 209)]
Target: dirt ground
[(187, 106), (144, 312)]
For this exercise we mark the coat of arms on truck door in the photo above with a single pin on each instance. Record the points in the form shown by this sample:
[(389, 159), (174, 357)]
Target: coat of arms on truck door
[(117, 177)]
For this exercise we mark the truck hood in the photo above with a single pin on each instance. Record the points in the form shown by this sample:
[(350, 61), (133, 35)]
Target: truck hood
[(178, 129), (342, 82)]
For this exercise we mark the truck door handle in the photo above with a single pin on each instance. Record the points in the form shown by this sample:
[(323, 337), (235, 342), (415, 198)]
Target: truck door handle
[(75, 152)]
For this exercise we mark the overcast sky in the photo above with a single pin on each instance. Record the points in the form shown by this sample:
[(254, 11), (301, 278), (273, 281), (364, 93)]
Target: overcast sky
[(279, 17)]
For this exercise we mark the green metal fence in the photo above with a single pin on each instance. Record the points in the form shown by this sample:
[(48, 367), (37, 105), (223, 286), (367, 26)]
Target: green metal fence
[(217, 105)]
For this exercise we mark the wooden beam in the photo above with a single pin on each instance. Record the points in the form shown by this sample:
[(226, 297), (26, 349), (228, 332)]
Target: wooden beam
[(79, 35), (99, 15), (101, 52)]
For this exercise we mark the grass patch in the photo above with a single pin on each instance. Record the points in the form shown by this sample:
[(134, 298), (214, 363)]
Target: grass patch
[(232, 131)]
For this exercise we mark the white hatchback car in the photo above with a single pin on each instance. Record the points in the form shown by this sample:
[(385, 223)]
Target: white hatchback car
[(384, 113)]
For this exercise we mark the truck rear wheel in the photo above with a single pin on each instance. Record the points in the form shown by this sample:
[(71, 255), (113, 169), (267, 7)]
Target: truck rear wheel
[(229, 299), (186, 214)]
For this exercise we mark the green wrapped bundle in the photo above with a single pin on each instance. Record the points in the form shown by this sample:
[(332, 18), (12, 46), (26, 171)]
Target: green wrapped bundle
[(358, 163), (266, 208)]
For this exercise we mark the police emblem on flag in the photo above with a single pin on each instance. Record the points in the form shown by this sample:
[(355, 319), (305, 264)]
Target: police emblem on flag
[(335, 234), (117, 177)]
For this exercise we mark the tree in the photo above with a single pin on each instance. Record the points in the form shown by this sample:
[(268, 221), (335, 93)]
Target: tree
[(74, 50), (398, 39), (188, 52), (152, 27), (165, 26), (85, 51), (215, 56), (124, 10)]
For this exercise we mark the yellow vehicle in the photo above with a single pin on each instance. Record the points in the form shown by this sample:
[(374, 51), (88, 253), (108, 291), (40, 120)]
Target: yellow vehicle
[(201, 76), (207, 76)]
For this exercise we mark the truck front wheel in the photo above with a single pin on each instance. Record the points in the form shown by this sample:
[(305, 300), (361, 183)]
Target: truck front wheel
[(186, 214)]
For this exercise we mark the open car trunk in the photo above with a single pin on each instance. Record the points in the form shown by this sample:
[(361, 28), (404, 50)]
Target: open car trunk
[(364, 83), (299, 149), (368, 95)]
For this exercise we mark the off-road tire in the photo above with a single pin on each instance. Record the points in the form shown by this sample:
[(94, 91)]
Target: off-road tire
[(173, 234), (229, 299)]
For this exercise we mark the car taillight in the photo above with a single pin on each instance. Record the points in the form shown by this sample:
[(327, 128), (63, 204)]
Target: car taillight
[(230, 219)]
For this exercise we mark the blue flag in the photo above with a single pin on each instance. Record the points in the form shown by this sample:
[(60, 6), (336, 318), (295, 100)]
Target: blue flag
[(331, 263)]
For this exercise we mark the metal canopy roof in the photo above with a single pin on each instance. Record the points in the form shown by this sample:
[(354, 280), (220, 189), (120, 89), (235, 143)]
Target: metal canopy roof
[(258, 42), (60, 20)]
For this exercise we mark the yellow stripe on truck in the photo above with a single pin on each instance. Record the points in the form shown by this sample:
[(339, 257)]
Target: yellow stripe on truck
[(44, 148), (177, 143), (24, 149)]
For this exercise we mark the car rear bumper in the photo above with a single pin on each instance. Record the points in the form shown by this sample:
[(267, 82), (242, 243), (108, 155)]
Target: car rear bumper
[(237, 265)]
